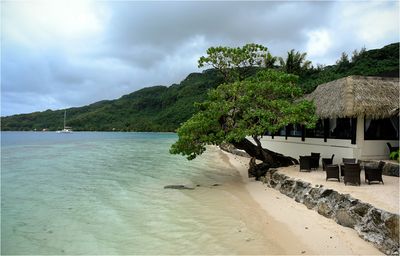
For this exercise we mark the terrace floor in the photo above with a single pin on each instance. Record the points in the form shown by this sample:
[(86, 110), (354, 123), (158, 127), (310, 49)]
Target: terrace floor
[(385, 196)]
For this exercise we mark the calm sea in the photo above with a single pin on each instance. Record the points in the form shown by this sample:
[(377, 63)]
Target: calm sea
[(103, 193)]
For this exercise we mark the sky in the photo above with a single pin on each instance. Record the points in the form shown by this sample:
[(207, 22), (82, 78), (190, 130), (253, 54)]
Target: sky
[(61, 54)]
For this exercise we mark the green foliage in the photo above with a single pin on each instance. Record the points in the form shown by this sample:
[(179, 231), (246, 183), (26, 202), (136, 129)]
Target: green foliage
[(162, 108), (395, 155), (235, 63), (157, 108), (295, 63), (267, 101), (378, 62)]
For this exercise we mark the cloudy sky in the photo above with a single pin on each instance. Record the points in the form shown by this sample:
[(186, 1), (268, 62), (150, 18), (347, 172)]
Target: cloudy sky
[(57, 54)]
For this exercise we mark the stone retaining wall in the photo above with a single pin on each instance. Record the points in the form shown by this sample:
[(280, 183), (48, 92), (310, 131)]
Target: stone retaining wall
[(372, 224)]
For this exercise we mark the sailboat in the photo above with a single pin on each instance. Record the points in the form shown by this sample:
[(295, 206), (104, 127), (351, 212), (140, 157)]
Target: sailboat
[(66, 129)]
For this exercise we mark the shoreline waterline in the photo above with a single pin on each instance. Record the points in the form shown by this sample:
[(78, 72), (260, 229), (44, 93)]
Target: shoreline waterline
[(103, 193)]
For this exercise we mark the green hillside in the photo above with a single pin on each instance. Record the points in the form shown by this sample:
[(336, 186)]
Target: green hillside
[(157, 108), (377, 62), (162, 108)]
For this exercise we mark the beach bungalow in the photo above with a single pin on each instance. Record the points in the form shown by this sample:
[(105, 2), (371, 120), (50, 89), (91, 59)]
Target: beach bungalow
[(358, 116)]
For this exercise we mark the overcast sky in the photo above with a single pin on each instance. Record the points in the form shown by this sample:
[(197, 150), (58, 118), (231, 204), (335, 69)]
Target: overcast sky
[(58, 54)]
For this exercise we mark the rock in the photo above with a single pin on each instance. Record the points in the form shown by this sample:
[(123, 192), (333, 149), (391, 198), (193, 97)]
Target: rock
[(177, 187), (345, 219), (324, 209), (287, 187), (376, 216), (372, 224), (309, 202), (257, 170), (392, 224), (391, 169), (326, 192), (216, 185), (361, 209)]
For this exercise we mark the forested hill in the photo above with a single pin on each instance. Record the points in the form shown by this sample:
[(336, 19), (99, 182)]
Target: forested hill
[(376, 62), (162, 108), (157, 108)]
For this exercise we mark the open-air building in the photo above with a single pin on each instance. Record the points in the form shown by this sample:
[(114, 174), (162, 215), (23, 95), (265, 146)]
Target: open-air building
[(358, 116)]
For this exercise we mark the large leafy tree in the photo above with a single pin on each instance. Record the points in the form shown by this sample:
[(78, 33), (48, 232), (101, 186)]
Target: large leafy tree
[(246, 109), (237, 63)]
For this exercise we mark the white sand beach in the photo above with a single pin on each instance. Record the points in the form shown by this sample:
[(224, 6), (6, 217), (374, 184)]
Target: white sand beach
[(294, 227)]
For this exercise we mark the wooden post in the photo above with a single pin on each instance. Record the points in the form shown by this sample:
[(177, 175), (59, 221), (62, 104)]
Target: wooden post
[(326, 129), (286, 131), (353, 125)]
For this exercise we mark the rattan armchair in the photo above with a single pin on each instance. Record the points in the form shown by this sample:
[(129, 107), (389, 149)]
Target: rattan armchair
[(352, 173), (326, 161), (332, 172), (315, 160), (305, 163), (346, 161), (374, 174), (392, 149)]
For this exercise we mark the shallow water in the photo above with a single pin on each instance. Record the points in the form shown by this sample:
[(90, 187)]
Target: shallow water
[(102, 193)]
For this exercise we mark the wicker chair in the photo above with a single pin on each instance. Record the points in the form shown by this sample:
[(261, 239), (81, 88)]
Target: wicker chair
[(346, 161), (326, 161), (352, 173), (332, 171), (391, 149), (315, 160), (374, 174), (305, 163)]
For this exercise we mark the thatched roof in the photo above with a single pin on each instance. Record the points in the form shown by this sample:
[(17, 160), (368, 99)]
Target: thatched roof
[(352, 96)]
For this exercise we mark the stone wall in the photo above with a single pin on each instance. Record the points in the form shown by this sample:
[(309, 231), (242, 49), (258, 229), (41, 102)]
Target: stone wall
[(372, 224)]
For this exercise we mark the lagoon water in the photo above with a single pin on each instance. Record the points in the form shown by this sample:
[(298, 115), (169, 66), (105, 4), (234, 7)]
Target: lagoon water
[(103, 193)]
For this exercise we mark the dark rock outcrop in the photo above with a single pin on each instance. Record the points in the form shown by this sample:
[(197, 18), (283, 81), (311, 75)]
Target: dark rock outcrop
[(372, 224), (178, 187), (257, 170)]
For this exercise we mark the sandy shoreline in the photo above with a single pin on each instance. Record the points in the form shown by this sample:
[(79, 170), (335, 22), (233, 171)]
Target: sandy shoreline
[(294, 227)]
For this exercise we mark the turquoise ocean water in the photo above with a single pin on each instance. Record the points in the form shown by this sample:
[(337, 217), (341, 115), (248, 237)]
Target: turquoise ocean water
[(102, 193)]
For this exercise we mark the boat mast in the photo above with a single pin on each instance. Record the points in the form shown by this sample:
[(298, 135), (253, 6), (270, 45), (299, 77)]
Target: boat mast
[(65, 116)]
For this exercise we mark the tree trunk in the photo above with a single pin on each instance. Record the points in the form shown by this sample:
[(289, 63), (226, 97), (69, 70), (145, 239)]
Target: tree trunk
[(269, 158), (272, 159)]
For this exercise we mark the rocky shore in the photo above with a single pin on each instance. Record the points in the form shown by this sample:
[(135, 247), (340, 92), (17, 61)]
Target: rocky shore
[(372, 224), (313, 212)]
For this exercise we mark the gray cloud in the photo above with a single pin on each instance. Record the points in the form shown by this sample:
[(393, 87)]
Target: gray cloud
[(102, 50)]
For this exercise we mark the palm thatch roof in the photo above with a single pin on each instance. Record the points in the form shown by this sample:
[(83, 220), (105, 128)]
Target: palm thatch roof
[(352, 96)]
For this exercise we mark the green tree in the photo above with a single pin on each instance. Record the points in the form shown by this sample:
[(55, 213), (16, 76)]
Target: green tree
[(357, 54), (235, 111), (235, 63), (295, 63), (343, 63)]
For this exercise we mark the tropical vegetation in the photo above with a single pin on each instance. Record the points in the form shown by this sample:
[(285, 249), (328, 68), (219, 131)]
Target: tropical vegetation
[(245, 107), (162, 108)]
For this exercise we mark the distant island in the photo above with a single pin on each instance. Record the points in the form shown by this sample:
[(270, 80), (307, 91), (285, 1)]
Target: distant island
[(163, 109)]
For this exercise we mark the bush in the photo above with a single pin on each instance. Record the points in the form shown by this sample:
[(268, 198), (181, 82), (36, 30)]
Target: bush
[(395, 155)]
